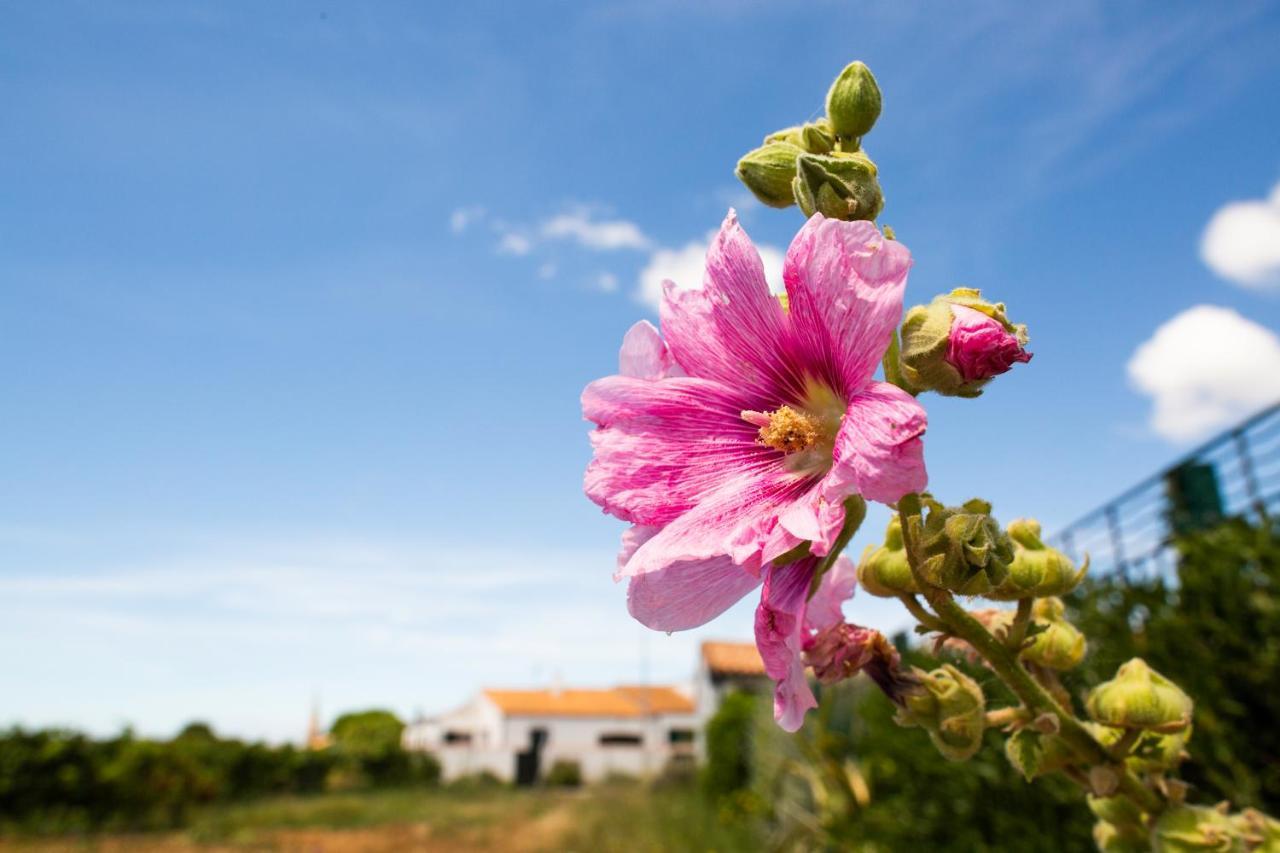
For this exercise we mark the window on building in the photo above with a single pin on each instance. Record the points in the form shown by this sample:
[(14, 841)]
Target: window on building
[(680, 736), (620, 739), (457, 737)]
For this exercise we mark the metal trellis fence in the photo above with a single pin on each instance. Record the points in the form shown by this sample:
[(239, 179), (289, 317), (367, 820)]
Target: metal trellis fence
[(1235, 474)]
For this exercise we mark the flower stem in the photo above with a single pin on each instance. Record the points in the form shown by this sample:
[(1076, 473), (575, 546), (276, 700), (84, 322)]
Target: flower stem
[(1005, 664), (923, 616), (1021, 621)]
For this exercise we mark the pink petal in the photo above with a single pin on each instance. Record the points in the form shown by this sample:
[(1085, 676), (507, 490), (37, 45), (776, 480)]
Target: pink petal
[(817, 518), (685, 595), (733, 329), (844, 282), (878, 452), (836, 587), (632, 538), (716, 527), (644, 355), (664, 444), (778, 637)]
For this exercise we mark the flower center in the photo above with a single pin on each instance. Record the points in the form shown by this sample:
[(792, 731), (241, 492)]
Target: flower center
[(785, 429)]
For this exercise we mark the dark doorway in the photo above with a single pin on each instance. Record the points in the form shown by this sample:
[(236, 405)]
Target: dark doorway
[(529, 761)]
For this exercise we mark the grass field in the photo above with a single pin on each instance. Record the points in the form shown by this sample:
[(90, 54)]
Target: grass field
[(622, 817)]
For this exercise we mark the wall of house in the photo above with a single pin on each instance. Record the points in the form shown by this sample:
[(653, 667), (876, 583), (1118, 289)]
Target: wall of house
[(495, 740), (577, 739)]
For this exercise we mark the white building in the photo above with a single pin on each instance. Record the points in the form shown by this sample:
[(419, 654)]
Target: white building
[(519, 734)]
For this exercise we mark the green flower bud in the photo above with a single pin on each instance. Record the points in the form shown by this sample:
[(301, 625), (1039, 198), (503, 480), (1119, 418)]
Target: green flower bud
[(1034, 754), (1140, 698), (816, 137), (1259, 832), (1153, 753), (958, 343), (964, 549), (949, 705), (853, 102), (768, 172), (1114, 839), (884, 569), (1060, 645), (1119, 811), (1185, 829), (818, 140), (790, 135), (839, 186), (1037, 570)]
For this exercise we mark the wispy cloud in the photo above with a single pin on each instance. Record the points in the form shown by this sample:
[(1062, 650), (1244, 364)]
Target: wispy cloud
[(515, 243), (1242, 242), (685, 266), (601, 235), (1204, 369), (463, 217)]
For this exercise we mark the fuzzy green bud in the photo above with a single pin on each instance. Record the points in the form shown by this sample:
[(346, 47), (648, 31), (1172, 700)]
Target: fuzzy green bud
[(853, 103), (949, 705), (1140, 698), (1113, 839), (958, 343), (884, 569), (768, 172), (964, 549), (1037, 570), (1060, 645), (817, 140), (1261, 834), (1119, 811), (1191, 829), (1036, 754), (1153, 753), (839, 186), (815, 137)]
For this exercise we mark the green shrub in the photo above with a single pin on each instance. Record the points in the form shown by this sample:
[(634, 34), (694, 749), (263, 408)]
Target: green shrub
[(564, 774), (729, 746), (1215, 630)]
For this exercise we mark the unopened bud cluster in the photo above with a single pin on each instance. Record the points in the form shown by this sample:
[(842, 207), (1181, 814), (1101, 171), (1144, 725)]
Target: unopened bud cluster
[(950, 706), (821, 166)]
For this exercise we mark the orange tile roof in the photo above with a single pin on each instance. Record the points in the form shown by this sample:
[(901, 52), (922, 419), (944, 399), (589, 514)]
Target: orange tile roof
[(614, 702), (732, 658), (658, 700)]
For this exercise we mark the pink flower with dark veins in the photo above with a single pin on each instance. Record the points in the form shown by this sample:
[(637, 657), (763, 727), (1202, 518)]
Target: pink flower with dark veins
[(980, 347), (738, 433)]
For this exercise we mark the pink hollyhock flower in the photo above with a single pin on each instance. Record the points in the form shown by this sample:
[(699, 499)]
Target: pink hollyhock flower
[(738, 434), (980, 347)]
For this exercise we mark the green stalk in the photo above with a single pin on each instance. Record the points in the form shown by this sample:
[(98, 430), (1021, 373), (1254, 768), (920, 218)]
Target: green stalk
[(1005, 664)]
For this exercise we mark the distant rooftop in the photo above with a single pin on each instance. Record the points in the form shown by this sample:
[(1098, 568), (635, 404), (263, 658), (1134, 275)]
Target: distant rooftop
[(627, 701), (732, 658)]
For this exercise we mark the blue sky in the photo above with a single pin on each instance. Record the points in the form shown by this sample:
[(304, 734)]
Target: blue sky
[(297, 299)]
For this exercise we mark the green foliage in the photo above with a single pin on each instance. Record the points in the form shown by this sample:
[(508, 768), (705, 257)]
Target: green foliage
[(369, 753), (1215, 632), (57, 781), (852, 778), (564, 774), (729, 739)]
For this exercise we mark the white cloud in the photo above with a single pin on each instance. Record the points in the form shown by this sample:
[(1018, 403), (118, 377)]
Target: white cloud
[(461, 218), (607, 282), (685, 267), (514, 244), (608, 235), (1205, 369), (1242, 242)]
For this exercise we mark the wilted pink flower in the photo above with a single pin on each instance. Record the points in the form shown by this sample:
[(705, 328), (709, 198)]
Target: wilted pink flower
[(980, 347), (739, 433)]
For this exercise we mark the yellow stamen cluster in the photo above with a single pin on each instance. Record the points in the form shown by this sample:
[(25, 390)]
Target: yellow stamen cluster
[(789, 431)]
